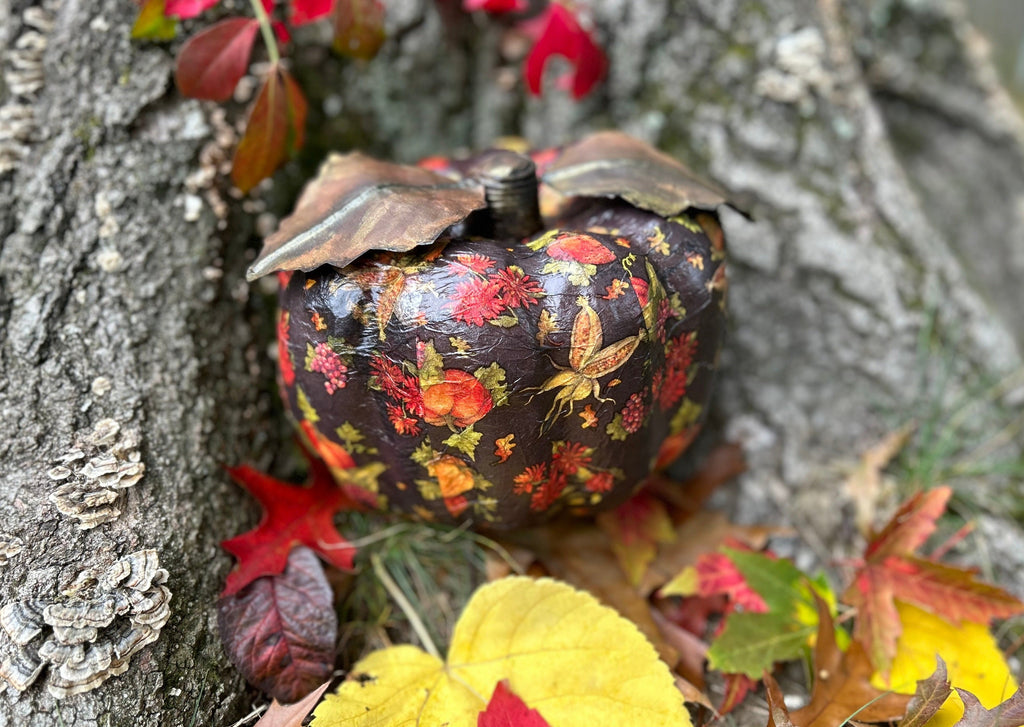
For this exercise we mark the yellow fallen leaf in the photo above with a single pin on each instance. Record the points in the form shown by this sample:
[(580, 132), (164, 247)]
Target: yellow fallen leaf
[(972, 657), (575, 661)]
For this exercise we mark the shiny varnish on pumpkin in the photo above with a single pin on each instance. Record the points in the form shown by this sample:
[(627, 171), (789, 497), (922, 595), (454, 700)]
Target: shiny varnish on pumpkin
[(458, 355)]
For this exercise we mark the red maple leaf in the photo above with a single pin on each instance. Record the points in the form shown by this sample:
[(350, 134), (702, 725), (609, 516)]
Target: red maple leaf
[(211, 63), (292, 516), (562, 35), (892, 571), (717, 574), (506, 709)]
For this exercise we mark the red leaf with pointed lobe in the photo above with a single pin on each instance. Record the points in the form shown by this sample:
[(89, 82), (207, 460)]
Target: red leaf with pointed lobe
[(185, 9), (506, 709), (562, 35), (308, 11), (211, 63), (292, 516), (358, 28), (281, 630), (275, 130), (495, 7), (893, 571), (717, 574)]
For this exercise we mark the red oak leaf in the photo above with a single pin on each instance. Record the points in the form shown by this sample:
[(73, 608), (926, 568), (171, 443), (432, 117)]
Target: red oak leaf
[(185, 9), (307, 11), (358, 28), (893, 571), (495, 7), (292, 516), (506, 709), (281, 630), (211, 63), (562, 35), (275, 130)]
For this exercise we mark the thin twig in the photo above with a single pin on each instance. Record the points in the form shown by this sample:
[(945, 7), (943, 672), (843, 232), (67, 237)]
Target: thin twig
[(403, 603)]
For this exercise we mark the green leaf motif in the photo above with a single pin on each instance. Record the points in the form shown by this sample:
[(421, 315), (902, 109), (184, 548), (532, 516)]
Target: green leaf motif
[(493, 379), (687, 415), (465, 441), (688, 222), (429, 489), (432, 369), (504, 321), (308, 412), (423, 453), (352, 439), (615, 430)]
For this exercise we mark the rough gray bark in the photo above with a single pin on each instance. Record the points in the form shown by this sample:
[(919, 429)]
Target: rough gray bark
[(882, 164)]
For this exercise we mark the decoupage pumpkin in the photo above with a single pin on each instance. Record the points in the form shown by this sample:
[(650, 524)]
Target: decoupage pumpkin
[(457, 350)]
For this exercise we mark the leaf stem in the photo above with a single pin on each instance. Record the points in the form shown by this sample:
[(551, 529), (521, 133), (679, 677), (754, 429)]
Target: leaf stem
[(403, 603), (266, 31)]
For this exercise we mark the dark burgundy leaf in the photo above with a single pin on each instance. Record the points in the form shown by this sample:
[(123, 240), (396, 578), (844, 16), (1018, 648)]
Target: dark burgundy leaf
[(506, 709), (562, 35), (211, 63), (358, 28), (185, 9), (280, 630)]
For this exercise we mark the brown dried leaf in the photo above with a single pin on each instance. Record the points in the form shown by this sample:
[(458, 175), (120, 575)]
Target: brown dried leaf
[(357, 204), (1008, 714), (930, 695), (611, 164), (778, 713), (292, 715), (865, 483), (842, 684)]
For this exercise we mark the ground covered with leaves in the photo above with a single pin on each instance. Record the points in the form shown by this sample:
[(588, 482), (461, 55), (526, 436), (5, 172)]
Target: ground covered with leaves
[(662, 612)]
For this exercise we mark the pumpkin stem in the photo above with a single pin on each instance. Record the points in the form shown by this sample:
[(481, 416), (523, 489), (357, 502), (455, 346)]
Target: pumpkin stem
[(510, 188)]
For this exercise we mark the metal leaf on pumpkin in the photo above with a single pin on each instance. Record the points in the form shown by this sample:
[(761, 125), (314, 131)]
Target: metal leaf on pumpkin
[(211, 63), (611, 164), (357, 204)]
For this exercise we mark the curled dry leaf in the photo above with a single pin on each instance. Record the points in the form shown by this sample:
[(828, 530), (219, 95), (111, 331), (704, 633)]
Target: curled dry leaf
[(211, 62), (929, 697), (778, 713), (865, 483), (281, 630), (1006, 714), (577, 662), (294, 714)]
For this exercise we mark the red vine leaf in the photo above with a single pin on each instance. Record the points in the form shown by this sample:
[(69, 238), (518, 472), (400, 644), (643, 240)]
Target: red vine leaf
[(358, 28), (307, 11), (292, 516), (152, 22), (892, 571), (281, 630), (506, 709), (211, 63), (275, 130), (185, 9), (562, 35), (495, 7)]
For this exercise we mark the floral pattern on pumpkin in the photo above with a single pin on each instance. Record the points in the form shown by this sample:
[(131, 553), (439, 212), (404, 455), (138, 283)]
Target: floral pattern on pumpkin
[(284, 357), (322, 359), (493, 298), (570, 467), (573, 254), (459, 486)]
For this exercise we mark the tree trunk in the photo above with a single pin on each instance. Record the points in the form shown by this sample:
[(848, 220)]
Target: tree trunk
[(881, 162)]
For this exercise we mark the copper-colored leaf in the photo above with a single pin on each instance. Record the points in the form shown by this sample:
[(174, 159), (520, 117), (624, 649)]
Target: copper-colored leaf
[(931, 694), (281, 630), (292, 715), (1008, 714), (211, 62), (611, 164), (275, 129), (778, 713), (842, 685), (357, 204), (358, 28)]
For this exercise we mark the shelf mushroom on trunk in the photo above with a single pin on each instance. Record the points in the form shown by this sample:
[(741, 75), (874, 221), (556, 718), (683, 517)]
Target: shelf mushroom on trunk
[(503, 338)]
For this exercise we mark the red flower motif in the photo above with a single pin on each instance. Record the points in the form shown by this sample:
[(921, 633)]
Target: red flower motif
[(476, 301), (678, 357), (548, 493), (601, 482), (284, 358), (569, 457), (471, 264), (517, 289), (398, 385), (664, 313), (403, 424), (562, 35), (530, 478)]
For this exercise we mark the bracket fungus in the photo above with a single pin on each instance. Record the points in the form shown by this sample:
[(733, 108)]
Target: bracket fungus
[(95, 472), (90, 632)]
